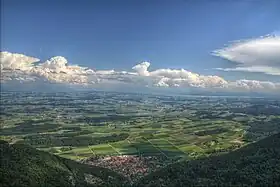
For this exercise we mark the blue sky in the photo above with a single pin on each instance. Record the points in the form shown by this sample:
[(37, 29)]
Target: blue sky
[(108, 34), (119, 34)]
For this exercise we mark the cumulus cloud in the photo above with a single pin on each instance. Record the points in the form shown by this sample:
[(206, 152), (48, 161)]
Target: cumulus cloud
[(142, 68), (23, 68), (254, 85), (18, 66), (255, 55), (13, 61), (177, 78)]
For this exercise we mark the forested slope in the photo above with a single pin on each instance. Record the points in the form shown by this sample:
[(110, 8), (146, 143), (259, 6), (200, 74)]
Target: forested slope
[(22, 165), (257, 164)]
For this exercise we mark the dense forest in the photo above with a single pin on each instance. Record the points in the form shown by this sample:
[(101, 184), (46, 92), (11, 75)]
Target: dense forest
[(257, 164)]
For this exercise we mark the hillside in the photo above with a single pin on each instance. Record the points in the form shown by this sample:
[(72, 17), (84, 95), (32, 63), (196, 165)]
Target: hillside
[(257, 164), (22, 165)]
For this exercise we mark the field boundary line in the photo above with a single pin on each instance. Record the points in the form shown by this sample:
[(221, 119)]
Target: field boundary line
[(91, 149), (156, 147), (138, 152), (175, 146), (115, 149), (76, 154)]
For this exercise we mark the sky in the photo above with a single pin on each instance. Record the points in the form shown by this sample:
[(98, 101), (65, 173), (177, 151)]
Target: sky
[(225, 39)]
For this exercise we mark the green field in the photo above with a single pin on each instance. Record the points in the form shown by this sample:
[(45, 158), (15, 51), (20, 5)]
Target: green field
[(116, 124)]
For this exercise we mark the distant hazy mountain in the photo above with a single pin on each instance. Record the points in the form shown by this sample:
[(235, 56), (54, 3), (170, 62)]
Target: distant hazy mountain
[(126, 88), (37, 87)]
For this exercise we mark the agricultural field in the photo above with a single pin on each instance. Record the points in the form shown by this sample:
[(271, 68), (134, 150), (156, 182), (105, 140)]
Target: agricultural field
[(80, 125)]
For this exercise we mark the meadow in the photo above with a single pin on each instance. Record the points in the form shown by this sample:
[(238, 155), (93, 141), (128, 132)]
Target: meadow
[(80, 125)]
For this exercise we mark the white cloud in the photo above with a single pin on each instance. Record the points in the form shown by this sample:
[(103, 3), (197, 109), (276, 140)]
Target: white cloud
[(57, 70), (105, 72), (21, 67), (177, 78), (255, 55), (183, 77), (254, 85), (142, 68), (13, 61), (258, 69)]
